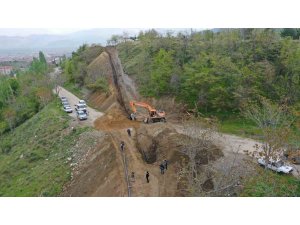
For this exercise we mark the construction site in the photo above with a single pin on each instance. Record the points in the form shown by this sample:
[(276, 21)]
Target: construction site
[(201, 161)]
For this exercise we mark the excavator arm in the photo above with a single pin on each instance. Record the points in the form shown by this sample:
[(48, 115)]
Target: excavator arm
[(141, 104)]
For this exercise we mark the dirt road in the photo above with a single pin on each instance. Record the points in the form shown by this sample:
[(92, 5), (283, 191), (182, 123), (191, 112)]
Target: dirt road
[(230, 143), (92, 113)]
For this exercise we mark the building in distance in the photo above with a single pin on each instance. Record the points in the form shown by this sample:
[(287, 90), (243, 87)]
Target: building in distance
[(6, 70)]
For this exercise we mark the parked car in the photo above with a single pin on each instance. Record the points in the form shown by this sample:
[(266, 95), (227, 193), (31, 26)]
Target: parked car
[(64, 101), (63, 98), (68, 109), (82, 102), (81, 115), (80, 107), (65, 104), (277, 166)]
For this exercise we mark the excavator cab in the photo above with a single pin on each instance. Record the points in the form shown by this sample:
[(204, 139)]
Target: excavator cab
[(152, 113)]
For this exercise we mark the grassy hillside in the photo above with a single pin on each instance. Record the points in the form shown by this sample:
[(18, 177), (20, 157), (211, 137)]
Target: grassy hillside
[(33, 158), (270, 184)]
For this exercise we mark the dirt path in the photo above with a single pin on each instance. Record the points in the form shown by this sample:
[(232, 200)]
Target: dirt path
[(230, 143), (93, 114)]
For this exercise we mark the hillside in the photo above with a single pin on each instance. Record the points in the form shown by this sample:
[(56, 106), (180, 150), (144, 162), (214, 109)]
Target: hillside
[(35, 158), (45, 152)]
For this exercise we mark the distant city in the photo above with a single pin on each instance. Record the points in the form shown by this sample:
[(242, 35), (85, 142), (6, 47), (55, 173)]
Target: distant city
[(19, 46), (23, 44)]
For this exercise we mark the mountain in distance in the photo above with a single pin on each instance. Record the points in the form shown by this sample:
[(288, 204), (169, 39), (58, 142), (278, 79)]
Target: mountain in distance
[(20, 45), (64, 44)]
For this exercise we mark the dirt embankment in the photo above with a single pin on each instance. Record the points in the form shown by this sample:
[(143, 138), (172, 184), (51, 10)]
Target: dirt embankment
[(95, 167)]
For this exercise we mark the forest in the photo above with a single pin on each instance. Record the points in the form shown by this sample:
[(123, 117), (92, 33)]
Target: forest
[(216, 71)]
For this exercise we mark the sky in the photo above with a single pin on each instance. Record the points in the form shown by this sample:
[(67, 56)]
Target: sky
[(32, 31), (23, 32)]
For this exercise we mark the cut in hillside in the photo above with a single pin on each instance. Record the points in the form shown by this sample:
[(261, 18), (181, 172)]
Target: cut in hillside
[(99, 67), (98, 171)]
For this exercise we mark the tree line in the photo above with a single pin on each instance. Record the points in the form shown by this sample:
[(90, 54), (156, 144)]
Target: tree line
[(23, 96)]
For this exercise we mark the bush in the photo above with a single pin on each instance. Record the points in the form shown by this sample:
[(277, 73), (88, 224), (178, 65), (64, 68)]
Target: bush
[(6, 146), (101, 84)]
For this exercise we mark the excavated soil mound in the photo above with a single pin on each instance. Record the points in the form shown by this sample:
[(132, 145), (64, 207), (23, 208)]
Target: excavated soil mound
[(157, 142), (114, 118)]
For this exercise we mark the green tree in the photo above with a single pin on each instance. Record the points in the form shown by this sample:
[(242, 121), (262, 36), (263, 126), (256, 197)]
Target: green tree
[(288, 83), (290, 32), (42, 58), (275, 124), (162, 71), (9, 115)]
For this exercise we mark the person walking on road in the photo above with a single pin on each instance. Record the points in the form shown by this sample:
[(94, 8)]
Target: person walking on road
[(162, 168), (147, 176), (122, 145), (129, 132), (166, 164)]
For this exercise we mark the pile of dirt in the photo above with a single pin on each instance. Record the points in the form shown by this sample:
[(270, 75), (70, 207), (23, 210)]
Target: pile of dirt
[(114, 118), (157, 142)]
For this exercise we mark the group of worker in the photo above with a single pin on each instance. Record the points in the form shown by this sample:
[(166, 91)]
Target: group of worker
[(163, 166)]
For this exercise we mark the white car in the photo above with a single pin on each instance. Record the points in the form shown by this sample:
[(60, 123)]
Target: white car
[(82, 102), (64, 102), (81, 115), (277, 166), (80, 107), (68, 109)]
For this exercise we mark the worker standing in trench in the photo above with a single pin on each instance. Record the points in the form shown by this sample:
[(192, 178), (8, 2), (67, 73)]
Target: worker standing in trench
[(129, 132), (122, 145), (165, 163), (147, 177), (162, 168)]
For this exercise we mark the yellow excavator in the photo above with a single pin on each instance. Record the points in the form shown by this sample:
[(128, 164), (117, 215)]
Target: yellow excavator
[(154, 115)]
